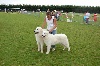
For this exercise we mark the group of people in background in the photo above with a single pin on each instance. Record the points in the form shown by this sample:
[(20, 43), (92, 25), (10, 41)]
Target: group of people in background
[(69, 16), (87, 17), (55, 13), (59, 15)]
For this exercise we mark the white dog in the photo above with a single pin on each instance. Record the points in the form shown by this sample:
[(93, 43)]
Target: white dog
[(50, 39), (38, 34)]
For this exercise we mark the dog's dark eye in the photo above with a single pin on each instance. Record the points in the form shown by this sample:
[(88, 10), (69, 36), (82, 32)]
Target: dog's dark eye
[(37, 29)]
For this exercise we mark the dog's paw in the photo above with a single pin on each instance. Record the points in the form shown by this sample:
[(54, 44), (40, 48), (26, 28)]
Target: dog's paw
[(41, 51), (68, 49), (47, 52), (38, 50), (64, 49)]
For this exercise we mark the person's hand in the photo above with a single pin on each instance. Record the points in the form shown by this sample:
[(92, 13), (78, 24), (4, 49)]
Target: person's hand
[(50, 31)]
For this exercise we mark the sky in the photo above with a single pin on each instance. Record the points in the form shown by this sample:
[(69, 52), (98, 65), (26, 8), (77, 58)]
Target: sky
[(53, 2)]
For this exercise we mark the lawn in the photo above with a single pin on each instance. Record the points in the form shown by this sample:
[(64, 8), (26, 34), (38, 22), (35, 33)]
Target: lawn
[(18, 46)]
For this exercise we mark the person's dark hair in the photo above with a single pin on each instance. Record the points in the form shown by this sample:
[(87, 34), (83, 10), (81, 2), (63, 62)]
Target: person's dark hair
[(48, 13)]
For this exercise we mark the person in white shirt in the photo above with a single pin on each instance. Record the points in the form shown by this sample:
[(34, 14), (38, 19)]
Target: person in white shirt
[(51, 23), (87, 17)]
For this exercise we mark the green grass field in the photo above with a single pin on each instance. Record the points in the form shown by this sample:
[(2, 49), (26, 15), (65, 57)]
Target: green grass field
[(18, 46)]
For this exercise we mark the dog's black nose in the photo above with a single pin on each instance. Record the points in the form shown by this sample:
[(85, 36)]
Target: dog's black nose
[(42, 35)]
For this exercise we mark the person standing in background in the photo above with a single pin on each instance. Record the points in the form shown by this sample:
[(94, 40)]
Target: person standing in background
[(87, 17), (95, 17)]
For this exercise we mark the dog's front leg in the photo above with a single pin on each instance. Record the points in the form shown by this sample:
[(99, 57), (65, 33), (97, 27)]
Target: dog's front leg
[(48, 49), (41, 47), (38, 46)]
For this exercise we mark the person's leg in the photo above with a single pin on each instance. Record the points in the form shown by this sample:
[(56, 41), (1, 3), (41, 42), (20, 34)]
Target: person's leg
[(87, 20)]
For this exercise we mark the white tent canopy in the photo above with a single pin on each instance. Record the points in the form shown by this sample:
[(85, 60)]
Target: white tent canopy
[(15, 8)]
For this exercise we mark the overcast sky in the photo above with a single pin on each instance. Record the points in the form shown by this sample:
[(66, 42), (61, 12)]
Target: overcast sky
[(53, 2)]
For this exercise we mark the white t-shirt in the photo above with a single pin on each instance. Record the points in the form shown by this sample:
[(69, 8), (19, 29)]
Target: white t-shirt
[(87, 15), (50, 23)]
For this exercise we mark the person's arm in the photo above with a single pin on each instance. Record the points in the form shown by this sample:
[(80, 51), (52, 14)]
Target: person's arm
[(44, 23), (55, 25)]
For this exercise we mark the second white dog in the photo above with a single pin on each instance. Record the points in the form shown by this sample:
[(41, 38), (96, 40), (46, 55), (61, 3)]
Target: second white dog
[(50, 39)]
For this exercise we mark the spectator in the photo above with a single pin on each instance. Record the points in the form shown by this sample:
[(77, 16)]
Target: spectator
[(87, 17), (95, 17)]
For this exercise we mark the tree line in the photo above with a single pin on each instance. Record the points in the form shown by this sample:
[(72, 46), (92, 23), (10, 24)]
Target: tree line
[(65, 8)]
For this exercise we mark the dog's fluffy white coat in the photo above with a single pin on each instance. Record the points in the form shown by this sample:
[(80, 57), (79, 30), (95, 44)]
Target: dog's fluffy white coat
[(50, 39), (38, 35)]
